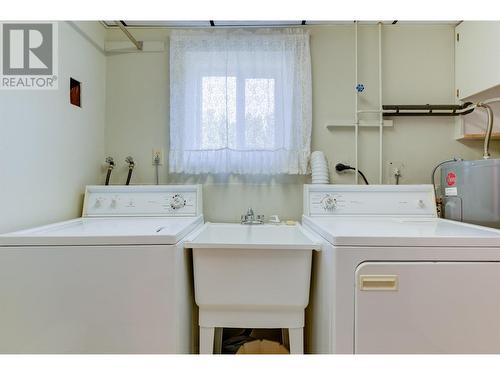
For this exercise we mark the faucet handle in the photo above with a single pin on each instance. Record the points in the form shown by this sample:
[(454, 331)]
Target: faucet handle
[(110, 161), (130, 161), (275, 219), (250, 211)]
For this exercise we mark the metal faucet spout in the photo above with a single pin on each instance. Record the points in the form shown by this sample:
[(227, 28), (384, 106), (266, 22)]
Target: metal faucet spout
[(250, 218)]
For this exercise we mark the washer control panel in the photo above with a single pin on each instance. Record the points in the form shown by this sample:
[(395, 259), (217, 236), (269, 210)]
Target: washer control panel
[(372, 200), (157, 200)]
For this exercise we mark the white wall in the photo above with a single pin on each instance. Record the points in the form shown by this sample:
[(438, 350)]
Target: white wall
[(418, 63), (49, 149)]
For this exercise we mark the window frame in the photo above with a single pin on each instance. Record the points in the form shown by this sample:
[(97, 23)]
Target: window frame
[(216, 52)]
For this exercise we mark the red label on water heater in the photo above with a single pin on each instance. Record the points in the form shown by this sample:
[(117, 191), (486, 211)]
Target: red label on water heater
[(451, 178)]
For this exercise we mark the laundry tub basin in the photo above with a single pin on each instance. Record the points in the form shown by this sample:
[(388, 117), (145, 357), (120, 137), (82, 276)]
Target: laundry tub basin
[(254, 276)]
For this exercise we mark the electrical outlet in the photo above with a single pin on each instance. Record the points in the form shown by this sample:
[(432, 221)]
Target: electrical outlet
[(157, 155), (395, 171)]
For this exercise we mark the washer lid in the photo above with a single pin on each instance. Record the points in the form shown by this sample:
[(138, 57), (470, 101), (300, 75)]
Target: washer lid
[(106, 231), (401, 231)]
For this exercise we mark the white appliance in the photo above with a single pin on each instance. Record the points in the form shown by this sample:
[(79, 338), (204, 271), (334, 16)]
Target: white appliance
[(117, 280), (394, 278)]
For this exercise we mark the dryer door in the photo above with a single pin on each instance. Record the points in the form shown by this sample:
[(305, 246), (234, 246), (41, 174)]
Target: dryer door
[(427, 307)]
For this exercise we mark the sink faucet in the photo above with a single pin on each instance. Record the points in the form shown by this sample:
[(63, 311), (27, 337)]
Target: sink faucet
[(250, 218)]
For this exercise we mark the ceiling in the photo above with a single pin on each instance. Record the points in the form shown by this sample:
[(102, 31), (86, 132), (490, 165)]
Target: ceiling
[(269, 23)]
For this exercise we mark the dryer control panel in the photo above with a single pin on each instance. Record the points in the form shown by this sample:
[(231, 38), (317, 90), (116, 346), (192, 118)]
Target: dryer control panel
[(369, 200), (156, 200)]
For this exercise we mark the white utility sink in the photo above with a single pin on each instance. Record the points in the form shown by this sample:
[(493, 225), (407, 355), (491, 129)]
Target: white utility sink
[(254, 276), (231, 236)]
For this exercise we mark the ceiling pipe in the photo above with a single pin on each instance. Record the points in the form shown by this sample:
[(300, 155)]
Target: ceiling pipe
[(122, 27)]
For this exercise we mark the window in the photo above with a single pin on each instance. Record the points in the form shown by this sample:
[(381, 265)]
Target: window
[(219, 113), (240, 101)]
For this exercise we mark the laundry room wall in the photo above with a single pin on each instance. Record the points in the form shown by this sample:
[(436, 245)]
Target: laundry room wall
[(418, 68), (50, 149)]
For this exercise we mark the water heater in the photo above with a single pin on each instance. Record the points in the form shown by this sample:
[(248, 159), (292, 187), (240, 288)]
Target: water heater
[(471, 191)]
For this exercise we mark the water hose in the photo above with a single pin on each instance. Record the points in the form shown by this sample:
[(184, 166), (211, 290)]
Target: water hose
[(489, 129), (131, 165), (111, 165)]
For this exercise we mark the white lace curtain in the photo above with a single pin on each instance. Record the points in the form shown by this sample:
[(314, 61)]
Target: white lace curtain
[(240, 101)]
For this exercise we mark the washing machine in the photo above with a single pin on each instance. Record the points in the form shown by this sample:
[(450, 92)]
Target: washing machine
[(116, 280), (393, 278)]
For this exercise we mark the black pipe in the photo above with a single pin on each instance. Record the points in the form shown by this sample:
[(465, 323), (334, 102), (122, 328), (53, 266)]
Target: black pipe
[(430, 108)]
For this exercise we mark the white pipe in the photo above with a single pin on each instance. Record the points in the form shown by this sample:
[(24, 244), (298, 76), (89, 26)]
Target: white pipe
[(381, 115), (373, 111), (492, 100), (137, 43), (356, 120), (479, 104)]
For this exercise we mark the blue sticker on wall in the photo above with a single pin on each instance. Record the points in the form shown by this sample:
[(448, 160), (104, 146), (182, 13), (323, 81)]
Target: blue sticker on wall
[(360, 87)]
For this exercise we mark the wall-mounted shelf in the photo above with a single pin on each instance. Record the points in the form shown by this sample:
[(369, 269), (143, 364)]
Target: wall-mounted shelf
[(362, 123), (473, 125)]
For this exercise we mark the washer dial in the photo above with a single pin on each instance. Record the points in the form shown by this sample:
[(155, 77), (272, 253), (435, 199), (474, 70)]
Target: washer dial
[(177, 201), (328, 202)]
